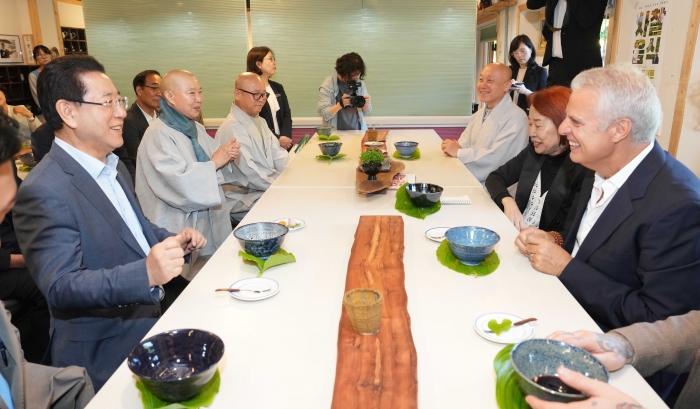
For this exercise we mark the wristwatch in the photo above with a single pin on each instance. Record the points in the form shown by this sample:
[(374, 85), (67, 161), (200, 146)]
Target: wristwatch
[(31, 119)]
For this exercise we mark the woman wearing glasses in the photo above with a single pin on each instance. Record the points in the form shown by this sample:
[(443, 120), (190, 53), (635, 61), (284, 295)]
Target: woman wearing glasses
[(276, 112), (42, 56), (528, 76)]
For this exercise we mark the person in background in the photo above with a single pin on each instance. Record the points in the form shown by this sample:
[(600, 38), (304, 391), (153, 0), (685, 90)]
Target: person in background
[(498, 130), (276, 112), (107, 272), (334, 95), (180, 169), (672, 345), (572, 31), (262, 157), (26, 385), (42, 56), (632, 254), (26, 120), (142, 112), (549, 183), (525, 70)]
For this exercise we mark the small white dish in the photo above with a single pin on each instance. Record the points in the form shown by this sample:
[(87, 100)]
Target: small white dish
[(512, 336), (374, 143), (292, 224), (256, 283), (436, 234)]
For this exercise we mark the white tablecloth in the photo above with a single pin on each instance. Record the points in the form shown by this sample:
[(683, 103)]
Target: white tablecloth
[(281, 352)]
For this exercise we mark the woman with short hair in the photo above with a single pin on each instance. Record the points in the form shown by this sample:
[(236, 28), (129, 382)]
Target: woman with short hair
[(42, 56), (261, 60), (549, 183), (334, 103), (525, 70)]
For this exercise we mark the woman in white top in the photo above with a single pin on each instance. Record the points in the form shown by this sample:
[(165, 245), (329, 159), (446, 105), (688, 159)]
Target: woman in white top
[(525, 71), (276, 112), (27, 122), (42, 56)]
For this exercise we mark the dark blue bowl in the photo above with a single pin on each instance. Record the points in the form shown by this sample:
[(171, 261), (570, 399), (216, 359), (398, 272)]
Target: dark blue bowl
[(261, 239), (330, 148), (541, 357), (471, 244), (423, 194), (176, 365), (406, 148)]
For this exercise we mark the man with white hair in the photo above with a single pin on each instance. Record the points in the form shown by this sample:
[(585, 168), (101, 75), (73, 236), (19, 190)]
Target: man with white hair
[(633, 252)]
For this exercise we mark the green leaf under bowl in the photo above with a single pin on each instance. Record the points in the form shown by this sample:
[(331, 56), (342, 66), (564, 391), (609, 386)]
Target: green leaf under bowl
[(414, 156), (449, 260), (508, 392), (25, 168), (330, 158), (498, 328), (328, 137), (279, 258), (205, 397), (406, 206)]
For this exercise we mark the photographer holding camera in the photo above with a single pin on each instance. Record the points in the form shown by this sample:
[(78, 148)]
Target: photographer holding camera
[(342, 98)]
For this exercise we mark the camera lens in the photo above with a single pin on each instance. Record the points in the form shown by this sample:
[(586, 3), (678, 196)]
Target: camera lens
[(357, 101)]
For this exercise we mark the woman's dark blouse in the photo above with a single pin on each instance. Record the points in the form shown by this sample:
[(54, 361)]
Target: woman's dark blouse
[(561, 177)]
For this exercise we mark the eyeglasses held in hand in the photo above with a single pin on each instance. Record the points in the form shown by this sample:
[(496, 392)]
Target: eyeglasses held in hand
[(114, 103), (256, 97)]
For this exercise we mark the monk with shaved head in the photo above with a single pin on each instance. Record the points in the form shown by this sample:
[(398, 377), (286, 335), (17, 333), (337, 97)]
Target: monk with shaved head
[(496, 132), (180, 169), (262, 157)]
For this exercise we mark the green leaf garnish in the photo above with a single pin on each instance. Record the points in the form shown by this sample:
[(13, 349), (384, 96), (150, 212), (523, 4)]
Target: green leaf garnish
[(406, 206), (281, 257), (328, 138), (414, 156), (508, 392), (205, 397), (449, 260), (330, 158), (498, 328)]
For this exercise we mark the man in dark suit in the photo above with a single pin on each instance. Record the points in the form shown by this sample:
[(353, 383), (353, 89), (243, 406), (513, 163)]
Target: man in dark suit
[(572, 31), (107, 273), (633, 252), (142, 112)]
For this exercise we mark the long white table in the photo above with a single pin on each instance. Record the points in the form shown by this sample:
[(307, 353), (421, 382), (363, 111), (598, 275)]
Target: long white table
[(281, 352)]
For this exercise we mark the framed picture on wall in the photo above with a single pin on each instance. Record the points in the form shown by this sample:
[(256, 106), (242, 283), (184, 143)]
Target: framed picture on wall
[(28, 43), (542, 44), (10, 49)]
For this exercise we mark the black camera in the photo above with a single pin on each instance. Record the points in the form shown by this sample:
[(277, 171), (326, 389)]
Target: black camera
[(355, 100)]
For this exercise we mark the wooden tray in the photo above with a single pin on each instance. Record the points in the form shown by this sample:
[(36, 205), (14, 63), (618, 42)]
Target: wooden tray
[(383, 181), (377, 371)]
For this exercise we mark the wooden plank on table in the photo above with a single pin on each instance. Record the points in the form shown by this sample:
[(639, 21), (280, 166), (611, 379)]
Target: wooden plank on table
[(377, 371)]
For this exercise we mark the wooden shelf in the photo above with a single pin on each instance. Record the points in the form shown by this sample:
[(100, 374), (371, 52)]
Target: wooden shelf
[(489, 13), (74, 40)]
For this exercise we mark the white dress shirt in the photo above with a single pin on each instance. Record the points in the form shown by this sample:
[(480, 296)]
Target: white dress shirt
[(106, 178), (5, 392), (559, 13), (274, 107), (149, 118), (603, 192)]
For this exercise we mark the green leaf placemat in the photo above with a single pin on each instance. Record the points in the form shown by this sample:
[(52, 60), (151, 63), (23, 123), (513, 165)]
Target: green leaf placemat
[(414, 156), (449, 260), (404, 205), (508, 392), (205, 397), (25, 168), (330, 158), (281, 257), (328, 138)]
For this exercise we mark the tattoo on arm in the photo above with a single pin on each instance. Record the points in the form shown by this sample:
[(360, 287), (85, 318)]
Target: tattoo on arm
[(613, 342)]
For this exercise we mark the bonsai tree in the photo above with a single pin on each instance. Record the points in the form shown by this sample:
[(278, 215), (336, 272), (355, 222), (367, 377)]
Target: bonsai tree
[(372, 156)]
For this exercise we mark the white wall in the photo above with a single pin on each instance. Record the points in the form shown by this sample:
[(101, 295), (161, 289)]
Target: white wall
[(71, 15), (47, 19), (689, 146), (9, 22)]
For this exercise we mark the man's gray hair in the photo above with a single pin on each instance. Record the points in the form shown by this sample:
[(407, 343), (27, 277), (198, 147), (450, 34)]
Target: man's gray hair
[(623, 91)]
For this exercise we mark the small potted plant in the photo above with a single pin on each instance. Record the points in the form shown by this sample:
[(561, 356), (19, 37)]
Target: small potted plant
[(372, 161)]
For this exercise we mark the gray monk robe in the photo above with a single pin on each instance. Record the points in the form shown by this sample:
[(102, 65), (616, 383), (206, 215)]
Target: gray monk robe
[(177, 191), (262, 158), (488, 143)]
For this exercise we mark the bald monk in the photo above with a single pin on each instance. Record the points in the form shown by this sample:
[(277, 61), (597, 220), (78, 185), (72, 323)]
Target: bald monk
[(262, 157), (497, 132), (180, 168)]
